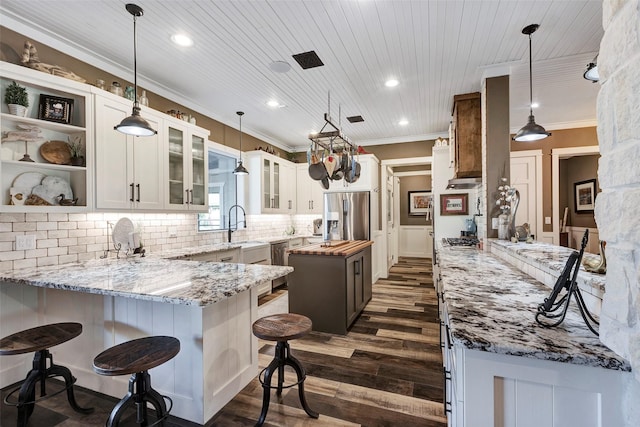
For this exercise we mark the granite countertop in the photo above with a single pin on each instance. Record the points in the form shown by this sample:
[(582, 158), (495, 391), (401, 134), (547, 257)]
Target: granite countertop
[(151, 278), (552, 259), (492, 306)]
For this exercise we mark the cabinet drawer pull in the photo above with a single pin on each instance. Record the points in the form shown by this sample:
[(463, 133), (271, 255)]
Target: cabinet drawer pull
[(446, 375), (138, 188), (227, 259), (186, 197), (190, 197), (449, 344), (440, 330), (131, 185), (356, 265)]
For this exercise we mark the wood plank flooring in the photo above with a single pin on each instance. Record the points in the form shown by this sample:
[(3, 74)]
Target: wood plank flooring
[(387, 371)]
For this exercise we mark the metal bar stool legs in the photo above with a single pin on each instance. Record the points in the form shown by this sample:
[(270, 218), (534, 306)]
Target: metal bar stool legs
[(140, 392), (283, 358)]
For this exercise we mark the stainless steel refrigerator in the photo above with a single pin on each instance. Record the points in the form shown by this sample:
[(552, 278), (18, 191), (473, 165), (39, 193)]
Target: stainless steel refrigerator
[(346, 216)]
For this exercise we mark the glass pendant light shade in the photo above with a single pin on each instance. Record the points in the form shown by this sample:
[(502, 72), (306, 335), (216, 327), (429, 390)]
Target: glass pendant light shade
[(135, 124), (531, 131), (240, 169)]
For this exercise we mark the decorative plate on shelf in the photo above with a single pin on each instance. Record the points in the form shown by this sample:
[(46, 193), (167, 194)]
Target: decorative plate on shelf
[(28, 180), (56, 152), (52, 188)]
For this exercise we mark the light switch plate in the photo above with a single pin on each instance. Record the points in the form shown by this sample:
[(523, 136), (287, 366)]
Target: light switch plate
[(26, 242), (494, 223), (547, 220)]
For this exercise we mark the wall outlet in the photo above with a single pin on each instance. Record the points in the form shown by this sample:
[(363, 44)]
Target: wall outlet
[(547, 220), (26, 242), (494, 223)]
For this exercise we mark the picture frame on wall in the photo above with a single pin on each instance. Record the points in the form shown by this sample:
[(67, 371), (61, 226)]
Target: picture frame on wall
[(585, 196), (454, 204), (419, 202), (55, 109)]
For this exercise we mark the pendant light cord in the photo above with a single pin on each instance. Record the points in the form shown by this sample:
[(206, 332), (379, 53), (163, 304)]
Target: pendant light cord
[(530, 81), (135, 64)]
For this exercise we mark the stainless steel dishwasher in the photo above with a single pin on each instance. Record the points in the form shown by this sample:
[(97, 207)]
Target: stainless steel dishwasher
[(278, 250)]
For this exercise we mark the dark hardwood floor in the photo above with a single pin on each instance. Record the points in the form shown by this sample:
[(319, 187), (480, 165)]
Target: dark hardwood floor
[(387, 371)]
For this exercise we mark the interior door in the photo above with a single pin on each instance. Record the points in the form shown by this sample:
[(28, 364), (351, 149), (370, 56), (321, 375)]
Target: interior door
[(523, 178)]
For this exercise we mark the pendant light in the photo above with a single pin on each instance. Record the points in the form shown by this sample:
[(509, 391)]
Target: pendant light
[(531, 131), (240, 170), (135, 124), (592, 71)]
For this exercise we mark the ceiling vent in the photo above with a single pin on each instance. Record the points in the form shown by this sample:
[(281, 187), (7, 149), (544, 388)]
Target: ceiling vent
[(308, 60), (355, 119)]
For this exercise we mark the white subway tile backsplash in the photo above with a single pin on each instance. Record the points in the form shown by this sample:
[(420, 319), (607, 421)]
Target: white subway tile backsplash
[(46, 243), (49, 260), (35, 253), (57, 251), (70, 225), (58, 217), (10, 256), (71, 241), (46, 226), (24, 263), (24, 226), (36, 217), (58, 234), (65, 259)]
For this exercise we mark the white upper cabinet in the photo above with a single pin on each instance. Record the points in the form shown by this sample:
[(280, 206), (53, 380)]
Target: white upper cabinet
[(309, 192), (187, 166), (129, 172), (270, 186), (37, 174)]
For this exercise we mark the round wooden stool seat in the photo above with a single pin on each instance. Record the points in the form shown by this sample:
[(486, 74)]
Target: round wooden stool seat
[(136, 356), (39, 338), (282, 327)]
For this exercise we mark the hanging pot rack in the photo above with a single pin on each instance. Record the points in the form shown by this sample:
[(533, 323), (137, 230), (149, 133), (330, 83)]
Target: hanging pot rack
[(330, 136)]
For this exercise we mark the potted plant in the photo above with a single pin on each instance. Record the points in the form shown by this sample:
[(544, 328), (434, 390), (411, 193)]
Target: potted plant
[(75, 147), (15, 97)]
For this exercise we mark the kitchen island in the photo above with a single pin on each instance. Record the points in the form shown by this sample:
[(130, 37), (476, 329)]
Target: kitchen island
[(502, 368), (331, 283), (208, 306)]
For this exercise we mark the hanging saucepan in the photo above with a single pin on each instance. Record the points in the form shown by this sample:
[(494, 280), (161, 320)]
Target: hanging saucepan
[(354, 172), (338, 172), (324, 182), (317, 170)]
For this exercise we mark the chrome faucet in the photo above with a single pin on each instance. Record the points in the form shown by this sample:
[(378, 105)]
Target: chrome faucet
[(244, 220)]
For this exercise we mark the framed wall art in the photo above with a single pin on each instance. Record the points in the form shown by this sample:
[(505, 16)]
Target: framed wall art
[(419, 202), (55, 109), (585, 196), (454, 204)]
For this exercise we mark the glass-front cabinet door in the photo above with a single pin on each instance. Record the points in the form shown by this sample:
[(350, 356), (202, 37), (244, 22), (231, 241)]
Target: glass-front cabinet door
[(177, 189), (198, 191), (270, 184), (187, 163)]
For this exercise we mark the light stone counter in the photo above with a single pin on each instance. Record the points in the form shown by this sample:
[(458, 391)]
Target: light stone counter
[(492, 305)]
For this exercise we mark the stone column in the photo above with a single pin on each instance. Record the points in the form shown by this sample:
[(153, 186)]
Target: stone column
[(618, 206)]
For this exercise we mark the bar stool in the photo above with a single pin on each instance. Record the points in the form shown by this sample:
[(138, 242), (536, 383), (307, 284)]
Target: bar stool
[(136, 357), (39, 340), (281, 328)]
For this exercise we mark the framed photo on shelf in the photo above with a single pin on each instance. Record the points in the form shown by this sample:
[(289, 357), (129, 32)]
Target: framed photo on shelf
[(419, 202), (454, 204), (55, 109), (585, 196)]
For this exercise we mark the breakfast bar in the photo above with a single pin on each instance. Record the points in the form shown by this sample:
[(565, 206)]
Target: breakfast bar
[(208, 306)]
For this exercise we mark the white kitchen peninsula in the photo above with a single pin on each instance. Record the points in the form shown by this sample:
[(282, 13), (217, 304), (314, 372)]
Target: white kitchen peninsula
[(501, 367), (208, 306)]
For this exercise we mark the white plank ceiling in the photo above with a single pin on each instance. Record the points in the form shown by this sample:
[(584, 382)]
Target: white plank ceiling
[(436, 49)]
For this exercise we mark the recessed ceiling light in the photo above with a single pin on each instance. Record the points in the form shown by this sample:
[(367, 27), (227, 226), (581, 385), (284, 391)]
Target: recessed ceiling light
[(535, 105), (275, 104), (391, 83), (182, 40), (280, 66), (403, 122)]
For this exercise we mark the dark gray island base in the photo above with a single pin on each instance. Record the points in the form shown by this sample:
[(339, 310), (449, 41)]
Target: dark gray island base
[(330, 285)]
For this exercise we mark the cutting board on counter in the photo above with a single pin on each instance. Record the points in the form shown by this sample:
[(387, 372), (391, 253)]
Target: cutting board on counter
[(335, 248)]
